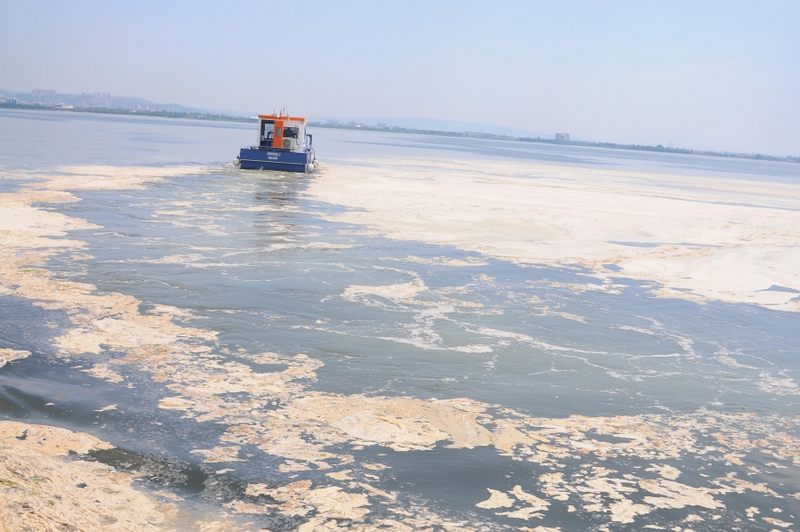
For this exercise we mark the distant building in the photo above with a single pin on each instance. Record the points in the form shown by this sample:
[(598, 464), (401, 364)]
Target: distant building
[(562, 137), (44, 96), (11, 101), (98, 99), (43, 93)]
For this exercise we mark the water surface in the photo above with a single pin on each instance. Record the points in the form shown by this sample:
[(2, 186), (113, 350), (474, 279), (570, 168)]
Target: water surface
[(252, 258)]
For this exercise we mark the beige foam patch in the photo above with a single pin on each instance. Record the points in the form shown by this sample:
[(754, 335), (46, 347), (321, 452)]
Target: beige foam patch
[(279, 413), (711, 238), (41, 489)]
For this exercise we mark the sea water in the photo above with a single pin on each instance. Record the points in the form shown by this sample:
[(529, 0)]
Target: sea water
[(254, 259)]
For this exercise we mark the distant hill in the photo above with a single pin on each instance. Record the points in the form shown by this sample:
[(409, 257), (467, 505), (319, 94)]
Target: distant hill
[(104, 100), (99, 100), (433, 124)]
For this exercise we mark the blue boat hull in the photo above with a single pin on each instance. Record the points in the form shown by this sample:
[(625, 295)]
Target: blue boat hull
[(271, 159)]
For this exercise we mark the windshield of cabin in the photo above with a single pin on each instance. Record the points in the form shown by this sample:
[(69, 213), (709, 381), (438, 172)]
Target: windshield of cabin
[(266, 130)]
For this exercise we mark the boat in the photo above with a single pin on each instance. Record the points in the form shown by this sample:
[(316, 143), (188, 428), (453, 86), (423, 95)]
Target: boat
[(284, 144)]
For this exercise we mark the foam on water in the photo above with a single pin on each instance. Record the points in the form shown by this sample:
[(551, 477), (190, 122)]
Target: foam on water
[(269, 363)]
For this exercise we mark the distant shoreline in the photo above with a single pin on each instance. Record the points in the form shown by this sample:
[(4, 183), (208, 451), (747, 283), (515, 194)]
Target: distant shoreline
[(360, 127)]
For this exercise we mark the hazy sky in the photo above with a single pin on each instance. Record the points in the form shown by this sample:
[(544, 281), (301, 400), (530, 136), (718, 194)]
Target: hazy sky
[(704, 74)]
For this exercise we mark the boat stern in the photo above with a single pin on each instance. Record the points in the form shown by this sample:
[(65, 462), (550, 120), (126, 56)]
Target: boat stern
[(284, 161)]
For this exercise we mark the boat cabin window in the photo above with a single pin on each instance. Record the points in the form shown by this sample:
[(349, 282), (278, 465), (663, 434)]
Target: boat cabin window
[(266, 131), (291, 132)]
